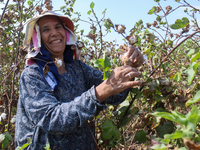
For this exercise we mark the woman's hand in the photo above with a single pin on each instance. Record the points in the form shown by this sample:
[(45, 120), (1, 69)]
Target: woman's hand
[(119, 80), (132, 57)]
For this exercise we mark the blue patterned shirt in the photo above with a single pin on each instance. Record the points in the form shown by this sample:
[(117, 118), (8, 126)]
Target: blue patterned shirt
[(60, 117)]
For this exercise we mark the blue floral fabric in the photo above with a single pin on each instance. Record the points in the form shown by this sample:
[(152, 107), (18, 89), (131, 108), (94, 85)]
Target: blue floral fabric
[(60, 117)]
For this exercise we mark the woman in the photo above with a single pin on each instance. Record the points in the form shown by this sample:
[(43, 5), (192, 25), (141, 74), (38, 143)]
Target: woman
[(56, 102)]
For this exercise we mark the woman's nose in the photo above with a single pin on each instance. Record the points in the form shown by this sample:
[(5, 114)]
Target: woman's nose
[(54, 32)]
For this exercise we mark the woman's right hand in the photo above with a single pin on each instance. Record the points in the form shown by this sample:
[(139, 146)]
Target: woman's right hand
[(119, 80)]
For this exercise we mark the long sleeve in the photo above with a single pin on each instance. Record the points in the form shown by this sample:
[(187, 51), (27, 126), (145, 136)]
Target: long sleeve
[(44, 110), (59, 117), (93, 77)]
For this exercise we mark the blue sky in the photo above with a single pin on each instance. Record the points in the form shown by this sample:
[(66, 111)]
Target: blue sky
[(126, 12)]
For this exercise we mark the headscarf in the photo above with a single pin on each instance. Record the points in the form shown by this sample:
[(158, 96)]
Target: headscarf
[(37, 52)]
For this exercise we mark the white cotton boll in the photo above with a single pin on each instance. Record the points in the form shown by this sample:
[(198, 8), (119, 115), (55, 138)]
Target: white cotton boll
[(58, 62), (121, 28), (87, 57), (80, 44), (13, 120), (3, 115), (133, 39), (18, 75)]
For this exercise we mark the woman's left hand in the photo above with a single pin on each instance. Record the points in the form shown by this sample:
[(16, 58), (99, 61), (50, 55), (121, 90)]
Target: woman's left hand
[(132, 57)]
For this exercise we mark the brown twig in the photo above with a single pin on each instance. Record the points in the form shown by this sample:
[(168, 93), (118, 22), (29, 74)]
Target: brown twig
[(4, 10)]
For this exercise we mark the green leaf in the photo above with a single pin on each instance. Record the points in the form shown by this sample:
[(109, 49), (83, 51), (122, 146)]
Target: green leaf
[(195, 57), (109, 130), (176, 135), (140, 136), (47, 147), (192, 71), (191, 52), (188, 134), (180, 23), (177, 76), (192, 115), (89, 12), (160, 147), (6, 140), (92, 5), (108, 24), (30, 2), (103, 63), (106, 75), (159, 18), (129, 117), (174, 116), (157, 0), (180, 118), (104, 11), (165, 128), (25, 145), (193, 100), (152, 10)]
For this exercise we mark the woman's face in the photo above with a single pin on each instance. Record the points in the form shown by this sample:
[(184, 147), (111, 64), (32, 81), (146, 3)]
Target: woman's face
[(52, 35)]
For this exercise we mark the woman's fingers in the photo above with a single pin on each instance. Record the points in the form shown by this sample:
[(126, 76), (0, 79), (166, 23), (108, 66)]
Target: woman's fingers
[(132, 74), (130, 84), (130, 50), (126, 69), (135, 56)]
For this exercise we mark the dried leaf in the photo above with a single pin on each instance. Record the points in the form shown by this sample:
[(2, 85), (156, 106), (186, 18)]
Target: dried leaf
[(191, 145), (46, 70), (91, 36)]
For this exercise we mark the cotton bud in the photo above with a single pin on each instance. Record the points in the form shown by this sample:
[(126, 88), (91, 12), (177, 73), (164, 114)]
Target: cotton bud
[(80, 45), (132, 39), (58, 62), (120, 28)]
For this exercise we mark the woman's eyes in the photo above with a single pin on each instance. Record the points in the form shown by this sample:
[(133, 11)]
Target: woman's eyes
[(47, 29), (58, 27)]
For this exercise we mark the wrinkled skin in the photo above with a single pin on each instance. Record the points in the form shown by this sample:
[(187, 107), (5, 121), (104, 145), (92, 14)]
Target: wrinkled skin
[(120, 78)]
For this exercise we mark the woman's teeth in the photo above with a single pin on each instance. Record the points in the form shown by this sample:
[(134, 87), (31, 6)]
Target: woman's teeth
[(54, 42)]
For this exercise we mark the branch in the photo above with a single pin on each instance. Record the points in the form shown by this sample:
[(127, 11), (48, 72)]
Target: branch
[(4, 10), (133, 98)]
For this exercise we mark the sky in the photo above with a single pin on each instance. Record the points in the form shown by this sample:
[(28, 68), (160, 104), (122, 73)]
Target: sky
[(126, 12)]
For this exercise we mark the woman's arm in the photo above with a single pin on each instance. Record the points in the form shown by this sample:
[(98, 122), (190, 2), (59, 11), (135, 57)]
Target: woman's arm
[(46, 112), (114, 89)]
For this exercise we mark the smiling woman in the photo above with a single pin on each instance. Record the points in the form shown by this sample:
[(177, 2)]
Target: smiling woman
[(53, 35), (56, 102)]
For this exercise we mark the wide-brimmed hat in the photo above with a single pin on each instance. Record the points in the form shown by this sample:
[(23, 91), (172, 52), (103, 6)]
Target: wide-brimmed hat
[(33, 33)]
